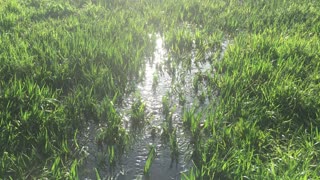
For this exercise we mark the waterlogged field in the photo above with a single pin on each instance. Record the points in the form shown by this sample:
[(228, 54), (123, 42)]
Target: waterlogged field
[(159, 89)]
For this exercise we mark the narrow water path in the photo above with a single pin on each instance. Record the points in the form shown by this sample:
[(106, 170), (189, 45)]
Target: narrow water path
[(162, 168)]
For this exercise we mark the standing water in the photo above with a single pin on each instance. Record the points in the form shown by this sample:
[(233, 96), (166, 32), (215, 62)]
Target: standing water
[(131, 165), (162, 167)]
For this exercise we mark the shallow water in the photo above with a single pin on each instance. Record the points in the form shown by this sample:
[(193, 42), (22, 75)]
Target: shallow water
[(132, 163)]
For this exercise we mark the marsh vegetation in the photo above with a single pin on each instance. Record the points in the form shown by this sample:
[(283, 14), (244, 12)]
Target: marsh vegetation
[(189, 89)]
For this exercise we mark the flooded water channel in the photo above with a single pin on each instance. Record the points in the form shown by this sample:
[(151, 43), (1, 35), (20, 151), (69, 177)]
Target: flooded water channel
[(131, 165)]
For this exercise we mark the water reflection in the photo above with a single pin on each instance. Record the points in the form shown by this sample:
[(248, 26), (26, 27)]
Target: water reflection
[(131, 165)]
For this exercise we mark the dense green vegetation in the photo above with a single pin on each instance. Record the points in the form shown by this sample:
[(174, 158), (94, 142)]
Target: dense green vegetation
[(64, 64)]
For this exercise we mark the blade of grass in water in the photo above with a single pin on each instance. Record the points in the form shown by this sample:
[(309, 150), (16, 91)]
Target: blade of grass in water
[(151, 156)]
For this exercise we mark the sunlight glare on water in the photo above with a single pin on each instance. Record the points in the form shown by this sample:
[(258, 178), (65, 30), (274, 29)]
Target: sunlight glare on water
[(134, 162), (131, 165)]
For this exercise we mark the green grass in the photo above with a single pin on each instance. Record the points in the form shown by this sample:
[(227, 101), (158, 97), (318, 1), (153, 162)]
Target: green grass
[(138, 113), (62, 66), (151, 156), (66, 64)]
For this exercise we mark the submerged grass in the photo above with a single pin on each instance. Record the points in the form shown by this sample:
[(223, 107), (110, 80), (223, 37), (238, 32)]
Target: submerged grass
[(151, 156), (64, 64)]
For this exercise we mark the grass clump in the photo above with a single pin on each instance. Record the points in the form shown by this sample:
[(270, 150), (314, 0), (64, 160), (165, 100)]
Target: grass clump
[(138, 114), (30, 118)]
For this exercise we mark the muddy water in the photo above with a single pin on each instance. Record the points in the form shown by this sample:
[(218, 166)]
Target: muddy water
[(132, 163)]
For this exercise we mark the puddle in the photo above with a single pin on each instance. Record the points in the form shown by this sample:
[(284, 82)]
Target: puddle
[(131, 165), (162, 168)]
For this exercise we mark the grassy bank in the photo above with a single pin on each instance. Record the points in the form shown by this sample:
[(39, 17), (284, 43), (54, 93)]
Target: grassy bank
[(64, 64)]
